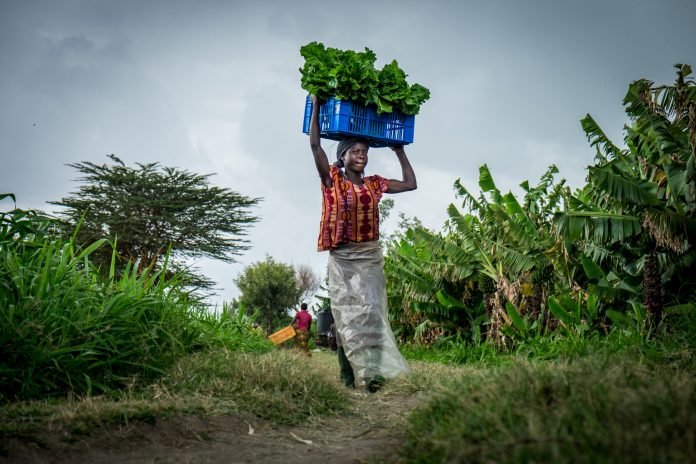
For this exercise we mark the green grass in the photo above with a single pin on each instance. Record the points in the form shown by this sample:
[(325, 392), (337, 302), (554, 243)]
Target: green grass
[(68, 332), (585, 411), (675, 337), (278, 386), (619, 398), (67, 328), (456, 351)]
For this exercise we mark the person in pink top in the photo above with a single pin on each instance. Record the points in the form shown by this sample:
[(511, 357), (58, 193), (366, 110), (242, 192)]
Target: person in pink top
[(302, 323)]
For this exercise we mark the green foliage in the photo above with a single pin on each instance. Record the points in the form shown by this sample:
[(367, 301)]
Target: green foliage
[(457, 350), (65, 327), (614, 252), (640, 201), (150, 209), (350, 75), (270, 288), (498, 246)]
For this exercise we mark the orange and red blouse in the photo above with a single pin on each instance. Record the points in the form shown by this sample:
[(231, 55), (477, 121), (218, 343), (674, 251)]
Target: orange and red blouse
[(349, 213)]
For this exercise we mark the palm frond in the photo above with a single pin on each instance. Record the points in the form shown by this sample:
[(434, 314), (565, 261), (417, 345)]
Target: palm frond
[(519, 215), (469, 201), (606, 150), (596, 226), (622, 188), (554, 198), (513, 261), (486, 179)]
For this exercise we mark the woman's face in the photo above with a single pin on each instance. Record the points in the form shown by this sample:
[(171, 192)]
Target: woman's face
[(355, 158)]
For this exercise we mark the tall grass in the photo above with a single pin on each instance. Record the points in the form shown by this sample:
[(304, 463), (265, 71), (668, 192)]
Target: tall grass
[(66, 327), (674, 340)]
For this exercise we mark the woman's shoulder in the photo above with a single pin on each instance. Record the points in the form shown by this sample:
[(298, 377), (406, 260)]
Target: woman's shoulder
[(376, 182), (335, 172), (373, 177)]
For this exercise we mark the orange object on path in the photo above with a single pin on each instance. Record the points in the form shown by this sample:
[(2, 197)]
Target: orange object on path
[(282, 335)]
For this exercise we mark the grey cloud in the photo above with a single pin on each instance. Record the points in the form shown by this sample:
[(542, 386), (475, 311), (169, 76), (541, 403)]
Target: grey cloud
[(172, 81)]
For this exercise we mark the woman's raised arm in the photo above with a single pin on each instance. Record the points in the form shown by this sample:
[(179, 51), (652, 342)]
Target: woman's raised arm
[(320, 158), (409, 177)]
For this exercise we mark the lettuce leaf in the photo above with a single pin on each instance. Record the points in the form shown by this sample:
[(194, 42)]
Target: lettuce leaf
[(351, 75)]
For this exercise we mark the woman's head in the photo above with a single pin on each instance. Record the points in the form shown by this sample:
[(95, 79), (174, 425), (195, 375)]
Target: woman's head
[(351, 153)]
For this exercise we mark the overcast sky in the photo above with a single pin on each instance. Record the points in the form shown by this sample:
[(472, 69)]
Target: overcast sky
[(214, 87)]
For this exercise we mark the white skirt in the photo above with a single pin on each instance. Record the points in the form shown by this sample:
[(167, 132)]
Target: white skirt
[(357, 289)]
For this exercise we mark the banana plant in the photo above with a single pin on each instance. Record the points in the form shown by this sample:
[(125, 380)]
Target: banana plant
[(636, 217), (497, 239)]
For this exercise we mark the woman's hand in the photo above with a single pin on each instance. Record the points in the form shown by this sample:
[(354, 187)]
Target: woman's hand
[(397, 149)]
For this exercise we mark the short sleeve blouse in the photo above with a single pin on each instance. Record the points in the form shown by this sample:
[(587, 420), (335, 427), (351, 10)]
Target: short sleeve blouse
[(349, 213)]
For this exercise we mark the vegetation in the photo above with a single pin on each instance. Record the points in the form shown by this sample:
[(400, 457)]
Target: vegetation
[(270, 288), (152, 212), (588, 411), (66, 327), (586, 299), (350, 75), (618, 398), (307, 282), (277, 387), (616, 253)]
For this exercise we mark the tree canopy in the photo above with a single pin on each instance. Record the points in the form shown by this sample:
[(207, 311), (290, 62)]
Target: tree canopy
[(271, 288), (150, 209)]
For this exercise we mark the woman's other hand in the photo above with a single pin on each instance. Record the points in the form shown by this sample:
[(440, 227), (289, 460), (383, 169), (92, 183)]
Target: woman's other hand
[(397, 148)]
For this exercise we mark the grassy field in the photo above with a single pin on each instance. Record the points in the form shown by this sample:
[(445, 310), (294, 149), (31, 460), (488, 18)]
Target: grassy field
[(613, 404), (608, 399), (83, 349)]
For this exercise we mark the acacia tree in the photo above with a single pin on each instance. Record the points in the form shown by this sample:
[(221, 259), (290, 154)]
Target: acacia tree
[(270, 288), (150, 209)]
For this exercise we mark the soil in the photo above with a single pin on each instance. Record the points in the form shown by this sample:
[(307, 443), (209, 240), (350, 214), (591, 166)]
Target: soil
[(370, 432)]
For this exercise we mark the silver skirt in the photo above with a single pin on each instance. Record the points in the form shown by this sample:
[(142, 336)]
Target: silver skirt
[(359, 306)]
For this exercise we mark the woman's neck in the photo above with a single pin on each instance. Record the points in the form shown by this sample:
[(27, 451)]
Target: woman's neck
[(354, 177)]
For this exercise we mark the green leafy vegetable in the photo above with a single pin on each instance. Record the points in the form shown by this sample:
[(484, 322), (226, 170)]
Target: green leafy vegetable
[(350, 75)]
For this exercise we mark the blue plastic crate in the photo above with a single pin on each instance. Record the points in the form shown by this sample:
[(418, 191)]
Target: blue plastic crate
[(344, 118)]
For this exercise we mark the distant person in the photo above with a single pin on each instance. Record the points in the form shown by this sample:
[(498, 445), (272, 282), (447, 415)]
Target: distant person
[(302, 322), (349, 230)]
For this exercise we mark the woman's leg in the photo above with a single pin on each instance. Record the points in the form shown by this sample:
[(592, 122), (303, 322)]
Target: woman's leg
[(347, 375)]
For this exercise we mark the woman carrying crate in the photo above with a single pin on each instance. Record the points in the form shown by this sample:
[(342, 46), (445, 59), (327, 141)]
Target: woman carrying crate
[(349, 230)]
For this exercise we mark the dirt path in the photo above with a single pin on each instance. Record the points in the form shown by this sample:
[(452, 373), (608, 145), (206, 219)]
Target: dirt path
[(371, 431)]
